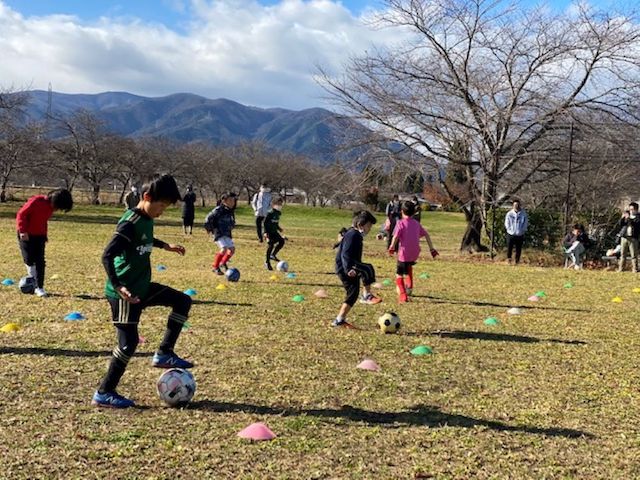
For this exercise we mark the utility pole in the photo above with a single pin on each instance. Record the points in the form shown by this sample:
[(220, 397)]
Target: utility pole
[(567, 198)]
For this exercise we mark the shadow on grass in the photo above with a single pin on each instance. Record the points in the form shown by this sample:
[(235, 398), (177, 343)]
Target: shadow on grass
[(195, 302), (419, 415), (293, 282), (215, 302), (62, 352), (494, 337), (478, 303)]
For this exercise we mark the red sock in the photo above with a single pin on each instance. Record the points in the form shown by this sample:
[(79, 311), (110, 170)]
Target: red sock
[(409, 283), (400, 284), (226, 257), (217, 260)]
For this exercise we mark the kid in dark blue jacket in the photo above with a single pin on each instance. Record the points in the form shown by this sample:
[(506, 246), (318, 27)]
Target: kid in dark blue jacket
[(350, 268), (220, 223)]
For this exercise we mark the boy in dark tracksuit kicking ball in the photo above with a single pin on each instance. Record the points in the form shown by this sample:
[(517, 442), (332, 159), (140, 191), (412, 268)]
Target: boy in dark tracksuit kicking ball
[(350, 269), (129, 288)]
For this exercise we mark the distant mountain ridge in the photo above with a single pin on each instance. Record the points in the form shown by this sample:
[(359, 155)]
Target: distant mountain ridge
[(184, 117)]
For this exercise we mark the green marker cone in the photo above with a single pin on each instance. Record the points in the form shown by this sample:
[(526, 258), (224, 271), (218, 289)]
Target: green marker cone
[(540, 294), (568, 285), (386, 282), (298, 298), (422, 350), (424, 276), (491, 321)]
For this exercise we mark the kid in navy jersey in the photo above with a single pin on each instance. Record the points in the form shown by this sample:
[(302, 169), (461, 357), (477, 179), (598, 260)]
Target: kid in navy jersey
[(220, 223), (129, 288), (350, 268)]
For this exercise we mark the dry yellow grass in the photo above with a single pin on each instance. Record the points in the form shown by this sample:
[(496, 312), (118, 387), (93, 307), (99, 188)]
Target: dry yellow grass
[(552, 393)]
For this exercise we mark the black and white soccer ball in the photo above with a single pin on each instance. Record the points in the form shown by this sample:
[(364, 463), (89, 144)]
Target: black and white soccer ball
[(389, 323), (27, 285)]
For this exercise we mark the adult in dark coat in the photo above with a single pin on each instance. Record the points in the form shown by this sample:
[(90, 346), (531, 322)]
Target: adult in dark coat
[(188, 210)]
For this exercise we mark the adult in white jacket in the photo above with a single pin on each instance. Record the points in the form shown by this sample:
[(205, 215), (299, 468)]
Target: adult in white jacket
[(516, 223), (261, 203)]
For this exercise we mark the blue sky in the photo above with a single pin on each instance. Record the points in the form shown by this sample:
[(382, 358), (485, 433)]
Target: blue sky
[(172, 13), (257, 52)]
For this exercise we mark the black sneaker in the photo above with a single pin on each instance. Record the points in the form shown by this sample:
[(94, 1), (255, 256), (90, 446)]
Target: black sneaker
[(268, 266), (217, 271)]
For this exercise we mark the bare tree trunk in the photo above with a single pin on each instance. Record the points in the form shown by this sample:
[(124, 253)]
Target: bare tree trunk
[(3, 190), (95, 194), (471, 240), (122, 194)]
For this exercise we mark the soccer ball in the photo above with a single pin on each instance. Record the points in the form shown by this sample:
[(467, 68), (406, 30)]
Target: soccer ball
[(176, 387), (233, 274), (282, 266), (389, 323), (27, 285)]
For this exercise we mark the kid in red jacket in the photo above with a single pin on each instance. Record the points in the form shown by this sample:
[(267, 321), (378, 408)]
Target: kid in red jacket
[(31, 224)]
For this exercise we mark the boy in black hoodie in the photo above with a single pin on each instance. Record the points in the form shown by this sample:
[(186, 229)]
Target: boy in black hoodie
[(350, 269)]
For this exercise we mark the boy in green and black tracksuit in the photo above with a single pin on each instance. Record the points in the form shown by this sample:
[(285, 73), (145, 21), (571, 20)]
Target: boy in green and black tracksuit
[(272, 230), (129, 288)]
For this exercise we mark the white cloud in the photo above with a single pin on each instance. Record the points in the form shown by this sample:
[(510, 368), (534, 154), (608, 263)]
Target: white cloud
[(238, 49)]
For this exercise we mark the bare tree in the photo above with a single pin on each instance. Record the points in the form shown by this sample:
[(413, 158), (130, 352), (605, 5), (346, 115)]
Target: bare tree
[(83, 152), (498, 80), (12, 99), (21, 148)]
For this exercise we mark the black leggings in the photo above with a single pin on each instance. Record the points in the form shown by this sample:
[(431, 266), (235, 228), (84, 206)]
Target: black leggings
[(514, 241), (126, 316), (275, 245), (33, 254), (259, 223)]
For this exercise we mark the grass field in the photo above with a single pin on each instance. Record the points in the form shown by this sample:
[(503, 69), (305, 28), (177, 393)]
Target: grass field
[(551, 393)]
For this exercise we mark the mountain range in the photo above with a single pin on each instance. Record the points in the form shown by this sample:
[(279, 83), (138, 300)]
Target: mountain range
[(315, 132)]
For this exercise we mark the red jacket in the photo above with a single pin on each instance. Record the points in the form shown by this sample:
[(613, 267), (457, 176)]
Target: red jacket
[(33, 216)]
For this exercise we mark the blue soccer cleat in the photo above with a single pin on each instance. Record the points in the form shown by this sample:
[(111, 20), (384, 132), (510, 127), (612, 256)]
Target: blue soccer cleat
[(170, 360), (111, 400)]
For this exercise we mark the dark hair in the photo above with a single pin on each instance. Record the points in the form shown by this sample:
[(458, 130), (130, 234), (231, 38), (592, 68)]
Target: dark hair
[(395, 195), (578, 226), (161, 189), (277, 201), (226, 195), (634, 205), (408, 208), (363, 217), (61, 199), (342, 231), (516, 200)]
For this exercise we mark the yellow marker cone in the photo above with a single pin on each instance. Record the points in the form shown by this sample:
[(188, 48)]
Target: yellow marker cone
[(616, 300), (10, 327), (221, 286), (273, 277), (636, 290)]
